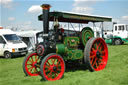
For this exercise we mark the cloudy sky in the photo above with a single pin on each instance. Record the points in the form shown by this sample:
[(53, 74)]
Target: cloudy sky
[(22, 14)]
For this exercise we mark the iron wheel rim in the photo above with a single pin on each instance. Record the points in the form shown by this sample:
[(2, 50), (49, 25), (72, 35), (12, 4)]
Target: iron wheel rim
[(30, 63), (48, 68), (98, 62)]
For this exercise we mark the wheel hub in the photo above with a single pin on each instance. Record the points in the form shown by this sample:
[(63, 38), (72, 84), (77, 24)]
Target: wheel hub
[(98, 54), (34, 64), (39, 51), (117, 42), (54, 68)]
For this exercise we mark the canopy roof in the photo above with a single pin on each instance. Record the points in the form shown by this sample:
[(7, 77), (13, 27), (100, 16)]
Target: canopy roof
[(75, 18), (27, 33)]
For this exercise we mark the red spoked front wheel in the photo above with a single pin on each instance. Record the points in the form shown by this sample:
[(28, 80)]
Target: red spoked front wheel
[(31, 64), (52, 67), (96, 54)]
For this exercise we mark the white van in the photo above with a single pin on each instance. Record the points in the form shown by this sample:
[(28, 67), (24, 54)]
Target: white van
[(30, 38), (11, 45)]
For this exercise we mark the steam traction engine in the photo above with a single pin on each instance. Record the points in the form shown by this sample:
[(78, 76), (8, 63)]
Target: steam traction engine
[(50, 56)]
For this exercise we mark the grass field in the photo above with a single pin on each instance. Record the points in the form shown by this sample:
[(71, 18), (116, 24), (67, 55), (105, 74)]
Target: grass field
[(116, 72)]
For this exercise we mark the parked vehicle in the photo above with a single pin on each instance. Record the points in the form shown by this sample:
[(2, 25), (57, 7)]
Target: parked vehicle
[(118, 35), (60, 48), (30, 39), (10, 44)]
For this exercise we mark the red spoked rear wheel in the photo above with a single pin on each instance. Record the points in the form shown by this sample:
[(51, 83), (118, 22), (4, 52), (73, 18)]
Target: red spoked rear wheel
[(31, 64), (96, 54), (52, 67)]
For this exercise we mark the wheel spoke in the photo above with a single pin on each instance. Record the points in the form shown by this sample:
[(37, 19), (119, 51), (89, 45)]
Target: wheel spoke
[(50, 74), (92, 53), (46, 70), (94, 62), (58, 62), (100, 48), (48, 63), (101, 60), (29, 64), (38, 66), (92, 57), (36, 58), (91, 61), (55, 75), (35, 70), (47, 67), (97, 46), (32, 59), (102, 56), (53, 60), (31, 69), (102, 52), (59, 69), (93, 49)]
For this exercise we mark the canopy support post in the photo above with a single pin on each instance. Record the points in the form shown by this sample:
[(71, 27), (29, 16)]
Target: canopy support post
[(95, 31), (79, 26), (68, 28), (74, 28), (102, 29)]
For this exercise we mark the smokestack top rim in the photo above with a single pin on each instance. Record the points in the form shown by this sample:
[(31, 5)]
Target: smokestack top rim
[(46, 6)]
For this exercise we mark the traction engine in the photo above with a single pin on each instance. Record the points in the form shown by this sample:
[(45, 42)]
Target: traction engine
[(57, 49)]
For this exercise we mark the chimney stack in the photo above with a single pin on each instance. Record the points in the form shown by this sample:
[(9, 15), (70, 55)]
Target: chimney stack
[(46, 8)]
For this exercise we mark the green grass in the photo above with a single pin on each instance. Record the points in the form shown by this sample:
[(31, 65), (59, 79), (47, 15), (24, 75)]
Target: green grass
[(116, 72)]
